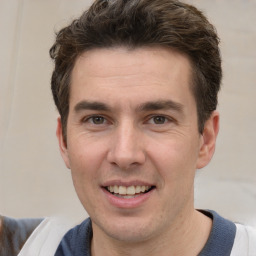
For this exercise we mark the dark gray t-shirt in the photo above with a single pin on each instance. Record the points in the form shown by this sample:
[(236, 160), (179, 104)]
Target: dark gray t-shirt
[(77, 241), (14, 233)]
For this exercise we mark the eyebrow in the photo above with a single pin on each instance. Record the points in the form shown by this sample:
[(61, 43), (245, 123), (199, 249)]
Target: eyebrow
[(87, 105), (161, 105), (147, 106)]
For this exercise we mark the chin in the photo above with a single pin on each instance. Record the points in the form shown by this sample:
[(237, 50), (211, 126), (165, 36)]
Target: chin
[(129, 230)]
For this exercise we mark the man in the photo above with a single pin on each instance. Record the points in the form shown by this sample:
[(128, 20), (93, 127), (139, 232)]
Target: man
[(136, 84)]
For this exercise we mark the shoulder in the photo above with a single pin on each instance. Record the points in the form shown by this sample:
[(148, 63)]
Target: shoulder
[(46, 237), (229, 238), (245, 241)]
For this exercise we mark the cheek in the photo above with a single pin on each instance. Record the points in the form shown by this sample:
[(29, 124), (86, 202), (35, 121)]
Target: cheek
[(175, 160), (85, 152), (85, 161)]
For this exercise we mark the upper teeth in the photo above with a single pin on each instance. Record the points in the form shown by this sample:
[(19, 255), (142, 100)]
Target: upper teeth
[(131, 190)]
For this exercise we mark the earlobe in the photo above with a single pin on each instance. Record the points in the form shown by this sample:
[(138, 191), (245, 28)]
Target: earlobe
[(208, 140), (62, 143)]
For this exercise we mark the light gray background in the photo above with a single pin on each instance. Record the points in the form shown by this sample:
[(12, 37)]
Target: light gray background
[(33, 179)]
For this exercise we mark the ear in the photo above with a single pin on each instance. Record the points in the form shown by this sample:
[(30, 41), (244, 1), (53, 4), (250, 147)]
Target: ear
[(208, 140), (62, 143)]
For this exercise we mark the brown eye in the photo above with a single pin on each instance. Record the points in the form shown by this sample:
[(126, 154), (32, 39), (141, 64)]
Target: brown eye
[(159, 119), (97, 120)]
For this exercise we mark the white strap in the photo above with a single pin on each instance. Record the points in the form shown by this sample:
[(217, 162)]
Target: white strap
[(45, 238), (245, 241)]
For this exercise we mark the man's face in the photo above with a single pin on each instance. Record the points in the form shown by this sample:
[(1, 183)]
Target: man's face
[(132, 140)]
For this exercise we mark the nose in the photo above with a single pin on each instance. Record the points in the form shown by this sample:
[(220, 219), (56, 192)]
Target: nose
[(126, 149)]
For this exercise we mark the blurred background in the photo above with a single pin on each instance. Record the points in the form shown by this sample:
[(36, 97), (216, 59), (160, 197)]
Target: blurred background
[(34, 181)]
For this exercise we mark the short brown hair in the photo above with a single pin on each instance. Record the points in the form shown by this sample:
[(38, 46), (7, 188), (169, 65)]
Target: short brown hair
[(138, 23)]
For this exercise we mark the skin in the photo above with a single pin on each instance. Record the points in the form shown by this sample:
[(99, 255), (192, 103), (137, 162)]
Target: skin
[(127, 138)]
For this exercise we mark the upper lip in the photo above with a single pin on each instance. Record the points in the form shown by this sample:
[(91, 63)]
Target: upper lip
[(126, 183)]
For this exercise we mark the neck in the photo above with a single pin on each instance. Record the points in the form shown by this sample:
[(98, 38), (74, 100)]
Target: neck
[(186, 237)]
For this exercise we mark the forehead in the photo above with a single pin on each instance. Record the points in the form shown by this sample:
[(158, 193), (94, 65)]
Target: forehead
[(147, 72)]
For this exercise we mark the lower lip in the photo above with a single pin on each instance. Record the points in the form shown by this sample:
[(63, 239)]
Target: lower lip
[(127, 203)]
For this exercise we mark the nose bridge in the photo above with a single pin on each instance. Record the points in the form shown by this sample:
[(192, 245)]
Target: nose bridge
[(126, 149), (127, 138)]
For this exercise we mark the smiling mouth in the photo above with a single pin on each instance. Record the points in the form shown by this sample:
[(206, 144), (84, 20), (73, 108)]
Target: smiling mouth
[(128, 192)]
